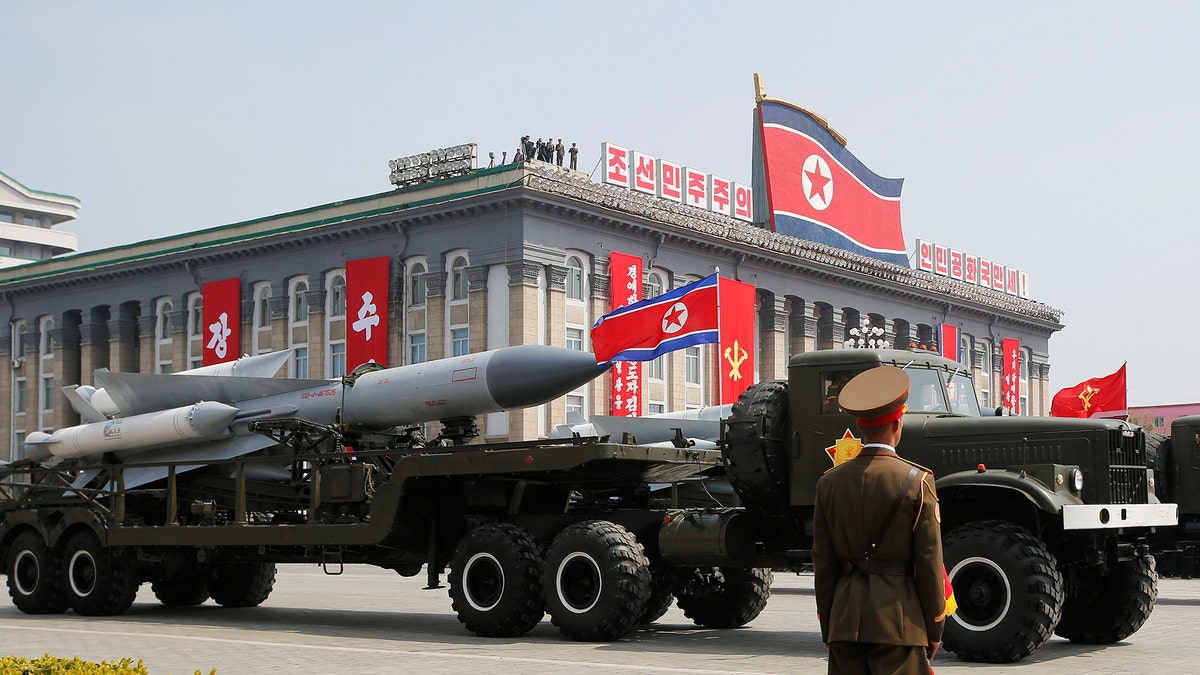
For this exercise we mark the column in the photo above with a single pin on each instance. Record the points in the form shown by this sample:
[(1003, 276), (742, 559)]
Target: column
[(772, 331), (93, 350), (436, 302), (523, 280), (477, 307)]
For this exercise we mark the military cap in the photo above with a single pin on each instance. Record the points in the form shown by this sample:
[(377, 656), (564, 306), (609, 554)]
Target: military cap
[(876, 397)]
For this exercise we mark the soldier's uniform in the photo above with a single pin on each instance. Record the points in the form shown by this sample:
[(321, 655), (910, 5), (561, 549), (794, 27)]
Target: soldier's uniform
[(879, 577)]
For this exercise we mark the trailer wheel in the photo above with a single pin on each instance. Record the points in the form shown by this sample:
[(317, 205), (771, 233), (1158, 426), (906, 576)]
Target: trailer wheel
[(758, 465), (596, 581), (662, 594), (98, 583), (1008, 589), (34, 576), (181, 591), (496, 581), (242, 584), (725, 597), (1110, 608)]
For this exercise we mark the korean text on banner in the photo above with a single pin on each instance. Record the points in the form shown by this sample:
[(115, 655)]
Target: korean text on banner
[(625, 287), (222, 318), (1010, 349), (367, 311)]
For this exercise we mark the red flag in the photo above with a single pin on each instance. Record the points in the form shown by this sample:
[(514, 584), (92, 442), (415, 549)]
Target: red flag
[(222, 317), (367, 310), (1011, 389), (645, 330), (1099, 394), (948, 341), (735, 351), (625, 288)]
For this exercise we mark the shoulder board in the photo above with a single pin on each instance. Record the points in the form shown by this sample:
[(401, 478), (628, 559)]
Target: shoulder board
[(911, 463)]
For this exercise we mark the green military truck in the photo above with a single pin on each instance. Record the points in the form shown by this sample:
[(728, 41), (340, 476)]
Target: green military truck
[(1174, 460), (1044, 519)]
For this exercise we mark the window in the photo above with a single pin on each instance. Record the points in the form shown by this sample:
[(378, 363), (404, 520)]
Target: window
[(6, 217), (31, 220), (337, 359), (47, 400), (46, 346), (654, 288), (262, 306), (164, 320), (300, 363), (337, 296), (574, 403), (574, 279), (195, 327), (416, 285), (416, 348), (18, 341), (985, 375), (461, 343), (575, 339), (654, 369), (691, 365), (298, 306), (655, 408), (19, 396), (458, 270)]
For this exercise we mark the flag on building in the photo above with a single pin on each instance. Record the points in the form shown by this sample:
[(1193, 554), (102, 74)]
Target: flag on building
[(1011, 389), (735, 350), (222, 315), (1099, 394), (625, 288), (817, 190), (645, 330), (948, 343), (367, 283)]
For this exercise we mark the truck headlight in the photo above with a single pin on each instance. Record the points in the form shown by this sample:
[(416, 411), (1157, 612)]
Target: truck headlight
[(1076, 480)]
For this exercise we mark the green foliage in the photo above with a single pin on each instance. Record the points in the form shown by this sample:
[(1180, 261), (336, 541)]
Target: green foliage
[(53, 665)]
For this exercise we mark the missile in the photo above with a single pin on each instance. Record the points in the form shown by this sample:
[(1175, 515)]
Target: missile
[(202, 421), (207, 415), (702, 425)]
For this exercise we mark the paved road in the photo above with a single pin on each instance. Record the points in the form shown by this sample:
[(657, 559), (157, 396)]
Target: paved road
[(372, 621)]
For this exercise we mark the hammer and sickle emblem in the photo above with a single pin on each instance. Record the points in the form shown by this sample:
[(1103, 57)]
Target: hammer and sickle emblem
[(735, 356), (1086, 396)]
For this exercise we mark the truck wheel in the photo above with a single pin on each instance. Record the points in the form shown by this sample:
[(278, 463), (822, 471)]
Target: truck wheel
[(496, 581), (243, 584), (662, 594), (596, 581), (98, 583), (34, 576), (1112, 607), (181, 591), (758, 465), (1008, 588), (726, 597)]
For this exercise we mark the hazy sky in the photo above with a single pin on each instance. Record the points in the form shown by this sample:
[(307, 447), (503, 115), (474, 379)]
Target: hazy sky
[(1057, 137)]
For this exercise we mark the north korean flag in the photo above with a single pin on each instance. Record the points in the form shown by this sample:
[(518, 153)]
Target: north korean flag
[(645, 330), (819, 191)]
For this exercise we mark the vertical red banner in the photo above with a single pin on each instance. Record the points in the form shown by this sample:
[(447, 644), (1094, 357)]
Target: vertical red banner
[(222, 316), (735, 349), (948, 342), (367, 283), (625, 288), (1012, 374)]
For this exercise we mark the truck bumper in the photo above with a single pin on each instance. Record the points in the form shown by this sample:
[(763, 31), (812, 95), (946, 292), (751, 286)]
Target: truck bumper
[(1116, 516)]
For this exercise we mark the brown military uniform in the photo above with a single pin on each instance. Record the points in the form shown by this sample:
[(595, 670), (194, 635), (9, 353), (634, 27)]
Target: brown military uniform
[(878, 610)]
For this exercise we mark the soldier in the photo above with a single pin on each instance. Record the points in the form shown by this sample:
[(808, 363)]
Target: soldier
[(559, 151), (574, 155), (877, 546)]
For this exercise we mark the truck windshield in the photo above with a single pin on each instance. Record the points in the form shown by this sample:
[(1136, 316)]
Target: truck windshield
[(941, 392)]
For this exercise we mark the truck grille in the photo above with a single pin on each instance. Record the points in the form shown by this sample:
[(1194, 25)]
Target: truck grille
[(1126, 450), (1127, 485)]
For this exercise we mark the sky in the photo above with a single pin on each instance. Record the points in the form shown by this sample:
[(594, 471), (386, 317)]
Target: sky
[(1059, 138)]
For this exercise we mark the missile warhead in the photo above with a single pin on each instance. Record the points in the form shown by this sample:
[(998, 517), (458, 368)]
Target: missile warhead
[(464, 386)]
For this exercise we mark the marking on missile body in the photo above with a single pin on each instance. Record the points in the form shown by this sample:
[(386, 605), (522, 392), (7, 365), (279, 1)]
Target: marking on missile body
[(464, 374)]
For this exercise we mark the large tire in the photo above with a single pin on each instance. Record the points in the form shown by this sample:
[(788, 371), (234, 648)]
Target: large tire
[(662, 594), (243, 584), (34, 576), (184, 591), (97, 582), (1008, 589), (1111, 607), (496, 581), (725, 597), (758, 464), (596, 581)]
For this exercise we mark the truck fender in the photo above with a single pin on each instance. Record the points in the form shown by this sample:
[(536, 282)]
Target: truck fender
[(53, 526), (1037, 492)]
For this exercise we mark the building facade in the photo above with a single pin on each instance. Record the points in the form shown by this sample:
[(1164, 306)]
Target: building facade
[(26, 217), (516, 254)]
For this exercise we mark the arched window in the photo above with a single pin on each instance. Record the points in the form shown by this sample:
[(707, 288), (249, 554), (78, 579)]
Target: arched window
[(337, 296), (262, 306), (984, 383), (298, 302), (416, 284), (18, 341), (574, 279), (164, 320), (195, 325), (46, 344), (458, 272)]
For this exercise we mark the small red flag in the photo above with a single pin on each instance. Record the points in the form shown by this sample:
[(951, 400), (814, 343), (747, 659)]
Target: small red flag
[(1099, 394)]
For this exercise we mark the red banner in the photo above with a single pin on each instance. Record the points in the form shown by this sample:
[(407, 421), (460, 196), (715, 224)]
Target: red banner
[(948, 341), (367, 283), (1012, 375), (735, 352), (1099, 394), (222, 316), (625, 288)]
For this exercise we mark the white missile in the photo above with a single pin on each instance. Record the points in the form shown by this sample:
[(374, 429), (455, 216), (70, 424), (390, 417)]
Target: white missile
[(204, 421), (702, 425)]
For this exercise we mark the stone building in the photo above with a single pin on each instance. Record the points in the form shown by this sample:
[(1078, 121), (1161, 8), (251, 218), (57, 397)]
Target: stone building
[(26, 219), (502, 256)]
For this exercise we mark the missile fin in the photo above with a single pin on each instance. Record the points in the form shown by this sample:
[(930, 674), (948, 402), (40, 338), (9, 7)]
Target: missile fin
[(87, 412)]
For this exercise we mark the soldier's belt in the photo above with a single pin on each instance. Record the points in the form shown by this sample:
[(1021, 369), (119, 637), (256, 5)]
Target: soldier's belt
[(891, 568)]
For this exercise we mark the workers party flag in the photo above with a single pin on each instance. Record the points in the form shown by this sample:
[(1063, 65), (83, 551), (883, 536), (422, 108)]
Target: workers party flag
[(367, 311), (735, 351), (817, 190), (222, 316), (647, 329), (1097, 395), (948, 342)]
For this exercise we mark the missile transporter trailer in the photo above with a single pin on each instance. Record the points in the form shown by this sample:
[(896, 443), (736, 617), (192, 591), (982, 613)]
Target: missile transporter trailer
[(1043, 519)]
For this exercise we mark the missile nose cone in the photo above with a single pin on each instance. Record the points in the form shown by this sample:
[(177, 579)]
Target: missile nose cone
[(528, 375)]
